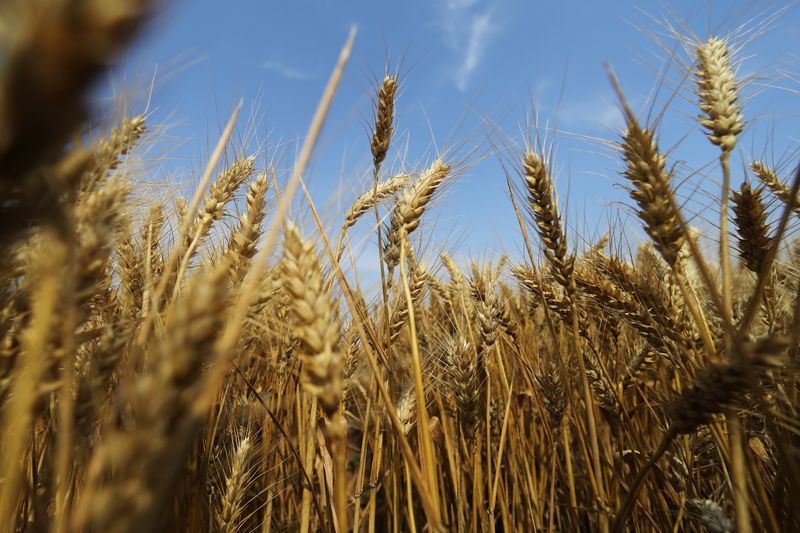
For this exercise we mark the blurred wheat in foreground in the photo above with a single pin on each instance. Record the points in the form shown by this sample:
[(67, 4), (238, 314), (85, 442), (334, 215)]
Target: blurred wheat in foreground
[(161, 370)]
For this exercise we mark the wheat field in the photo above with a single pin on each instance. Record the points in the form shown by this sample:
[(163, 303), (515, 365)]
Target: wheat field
[(213, 364)]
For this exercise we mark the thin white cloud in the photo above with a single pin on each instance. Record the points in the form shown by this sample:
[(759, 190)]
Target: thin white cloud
[(467, 27), (289, 72), (611, 117), (476, 48), (599, 113), (460, 4)]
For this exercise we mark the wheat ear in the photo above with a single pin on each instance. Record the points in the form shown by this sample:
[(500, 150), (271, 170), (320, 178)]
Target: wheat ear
[(315, 321), (242, 244), (229, 514), (646, 170), (410, 207), (714, 389), (132, 472), (213, 208), (384, 120), (751, 225), (778, 187), (367, 201), (544, 206), (467, 373), (718, 91), (108, 154)]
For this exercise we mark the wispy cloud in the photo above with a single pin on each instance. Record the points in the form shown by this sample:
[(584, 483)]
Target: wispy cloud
[(476, 47), (289, 72), (467, 27), (598, 113)]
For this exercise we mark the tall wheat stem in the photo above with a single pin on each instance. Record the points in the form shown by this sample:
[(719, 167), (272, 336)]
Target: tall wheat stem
[(739, 474), (185, 224), (630, 498), (17, 417), (381, 138), (384, 286), (362, 469), (740, 498), (719, 94), (724, 247), (417, 475), (337, 427), (308, 460), (423, 428), (565, 434), (590, 420)]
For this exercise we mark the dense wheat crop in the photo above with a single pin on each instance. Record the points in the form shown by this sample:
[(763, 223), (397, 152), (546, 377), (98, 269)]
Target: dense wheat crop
[(214, 365)]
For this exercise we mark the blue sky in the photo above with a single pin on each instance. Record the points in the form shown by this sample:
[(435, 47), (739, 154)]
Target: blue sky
[(471, 71)]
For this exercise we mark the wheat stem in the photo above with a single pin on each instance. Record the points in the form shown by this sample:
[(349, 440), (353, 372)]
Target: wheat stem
[(422, 412)]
